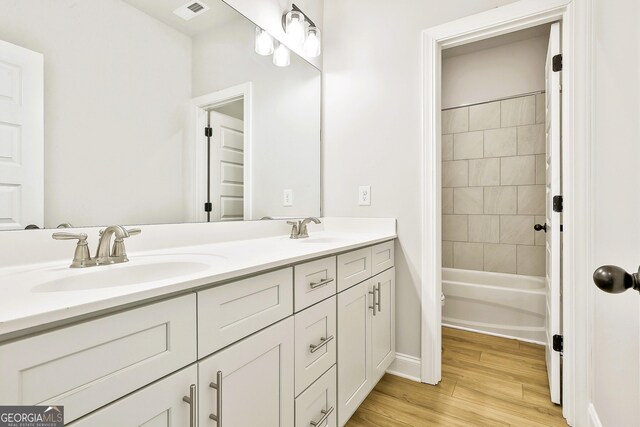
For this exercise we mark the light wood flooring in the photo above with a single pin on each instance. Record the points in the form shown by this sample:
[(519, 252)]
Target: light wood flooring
[(486, 381)]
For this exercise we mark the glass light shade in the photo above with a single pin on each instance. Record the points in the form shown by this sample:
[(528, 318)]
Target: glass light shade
[(295, 27), (281, 56), (312, 45), (264, 42)]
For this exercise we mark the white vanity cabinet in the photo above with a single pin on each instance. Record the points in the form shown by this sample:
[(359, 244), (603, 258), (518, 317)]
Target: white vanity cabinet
[(250, 383)]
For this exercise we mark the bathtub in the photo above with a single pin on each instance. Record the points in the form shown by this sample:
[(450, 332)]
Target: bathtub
[(506, 305)]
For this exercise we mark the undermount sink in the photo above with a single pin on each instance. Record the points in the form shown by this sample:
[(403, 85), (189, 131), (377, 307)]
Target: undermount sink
[(137, 271)]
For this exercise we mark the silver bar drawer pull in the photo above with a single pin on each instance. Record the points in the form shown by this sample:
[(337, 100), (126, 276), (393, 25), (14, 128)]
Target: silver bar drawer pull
[(379, 299), (316, 285), (218, 387), (325, 415), (323, 342), (193, 408), (374, 306)]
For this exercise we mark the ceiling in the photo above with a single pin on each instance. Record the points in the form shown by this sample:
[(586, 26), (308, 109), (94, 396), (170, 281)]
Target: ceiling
[(162, 10)]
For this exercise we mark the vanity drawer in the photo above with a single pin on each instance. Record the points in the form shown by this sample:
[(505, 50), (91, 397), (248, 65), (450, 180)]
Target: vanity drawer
[(318, 401), (353, 267), (230, 312), (314, 282), (88, 365), (315, 326), (382, 257)]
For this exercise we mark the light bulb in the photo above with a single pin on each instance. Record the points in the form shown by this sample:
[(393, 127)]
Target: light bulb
[(312, 45), (281, 56), (264, 42), (295, 30)]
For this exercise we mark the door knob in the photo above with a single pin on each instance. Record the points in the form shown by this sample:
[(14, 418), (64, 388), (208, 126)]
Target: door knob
[(539, 227), (615, 280)]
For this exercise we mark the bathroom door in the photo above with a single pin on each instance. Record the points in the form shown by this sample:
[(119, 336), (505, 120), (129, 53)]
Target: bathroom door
[(21, 137), (227, 167), (553, 215)]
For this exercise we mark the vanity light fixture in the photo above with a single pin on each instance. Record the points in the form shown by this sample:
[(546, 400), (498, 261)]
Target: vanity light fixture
[(281, 56), (312, 43), (294, 23), (264, 42)]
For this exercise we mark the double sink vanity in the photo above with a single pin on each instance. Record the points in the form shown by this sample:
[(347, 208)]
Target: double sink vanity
[(236, 324)]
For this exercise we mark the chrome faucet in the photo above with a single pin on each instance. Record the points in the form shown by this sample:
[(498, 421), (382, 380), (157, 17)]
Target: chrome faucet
[(105, 254), (299, 228)]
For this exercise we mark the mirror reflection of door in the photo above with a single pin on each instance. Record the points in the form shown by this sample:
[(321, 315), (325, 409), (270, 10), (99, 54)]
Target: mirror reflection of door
[(226, 162)]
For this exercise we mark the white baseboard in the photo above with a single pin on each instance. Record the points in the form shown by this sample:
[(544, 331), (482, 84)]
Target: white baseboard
[(405, 366), (594, 420)]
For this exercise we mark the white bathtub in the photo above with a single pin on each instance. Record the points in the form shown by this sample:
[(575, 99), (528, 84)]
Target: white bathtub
[(506, 305)]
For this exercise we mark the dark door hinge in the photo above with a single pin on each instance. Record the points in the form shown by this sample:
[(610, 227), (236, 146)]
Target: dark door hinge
[(557, 63), (557, 203), (208, 207), (558, 343), (208, 132)]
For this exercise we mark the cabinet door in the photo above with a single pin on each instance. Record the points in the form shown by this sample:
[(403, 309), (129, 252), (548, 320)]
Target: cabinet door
[(354, 344), (318, 403), (157, 405), (256, 386), (383, 342)]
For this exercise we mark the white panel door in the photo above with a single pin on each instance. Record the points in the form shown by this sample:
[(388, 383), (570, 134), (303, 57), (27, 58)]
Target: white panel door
[(354, 342), (21, 137), (256, 386), (383, 340), (227, 167), (553, 219)]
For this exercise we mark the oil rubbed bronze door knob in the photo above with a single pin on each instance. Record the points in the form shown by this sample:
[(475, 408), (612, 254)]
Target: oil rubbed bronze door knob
[(615, 280), (540, 227)]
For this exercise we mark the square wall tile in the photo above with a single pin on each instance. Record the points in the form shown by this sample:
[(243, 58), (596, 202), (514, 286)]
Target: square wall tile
[(467, 145), (468, 256), (531, 260), (455, 121), (500, 200), (531, 200), (500, 258), (468, 200), (484, 116), (518, 111), (540, 236), (531, 140), (484, 172), (484, 228), (447, 200), (516, 229), (455, 173), (447, 147), (500, 142), (541, 169), (519, 170), (454, 228), (541, 108), (447, 254)]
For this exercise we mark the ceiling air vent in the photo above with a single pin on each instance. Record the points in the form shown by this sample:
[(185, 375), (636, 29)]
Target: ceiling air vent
[(191, 10)]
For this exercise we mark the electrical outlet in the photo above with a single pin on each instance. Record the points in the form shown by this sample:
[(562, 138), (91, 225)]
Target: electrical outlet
[(364, 195), (287, 198)]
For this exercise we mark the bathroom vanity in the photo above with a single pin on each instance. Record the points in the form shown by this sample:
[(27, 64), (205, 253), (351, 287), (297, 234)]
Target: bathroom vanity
[(267, 331)]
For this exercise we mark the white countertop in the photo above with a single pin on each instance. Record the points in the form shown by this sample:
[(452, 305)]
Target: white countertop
[(27, 303)]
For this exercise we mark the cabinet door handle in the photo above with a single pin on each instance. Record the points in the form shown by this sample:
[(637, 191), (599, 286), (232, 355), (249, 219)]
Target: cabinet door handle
[(374, 306), (323, 341), (325, 415), (316, 285), (193, 408), (218, 387), (379, 298)]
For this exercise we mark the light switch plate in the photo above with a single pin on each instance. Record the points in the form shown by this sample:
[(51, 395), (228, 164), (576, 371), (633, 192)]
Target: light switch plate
[(364, 195), (287, 198)]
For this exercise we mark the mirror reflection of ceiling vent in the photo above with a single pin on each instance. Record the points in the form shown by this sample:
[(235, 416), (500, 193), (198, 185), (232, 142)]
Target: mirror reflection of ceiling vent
[(191, 10)]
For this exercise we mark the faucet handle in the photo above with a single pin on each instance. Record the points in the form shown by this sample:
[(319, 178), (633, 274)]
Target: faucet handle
[(294, 229), (81, 237), (82, 255), (118, 250), (134, 231)]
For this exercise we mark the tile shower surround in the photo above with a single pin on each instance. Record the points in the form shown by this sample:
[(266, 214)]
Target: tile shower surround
[(493, 186)]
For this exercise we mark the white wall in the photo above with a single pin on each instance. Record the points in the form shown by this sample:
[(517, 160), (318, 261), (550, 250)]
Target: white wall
[(616, 234), (494, 73), (372, 124), (285, 151), (97, 112)]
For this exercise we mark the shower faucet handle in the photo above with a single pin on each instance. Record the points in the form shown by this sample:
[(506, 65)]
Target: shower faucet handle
[(540, 227)]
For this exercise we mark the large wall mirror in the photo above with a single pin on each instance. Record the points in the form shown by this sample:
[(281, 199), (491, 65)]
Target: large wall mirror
[(104, 106)]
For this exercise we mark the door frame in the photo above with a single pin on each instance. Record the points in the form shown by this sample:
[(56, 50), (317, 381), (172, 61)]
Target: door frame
[(200, 107), (577, 42)]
